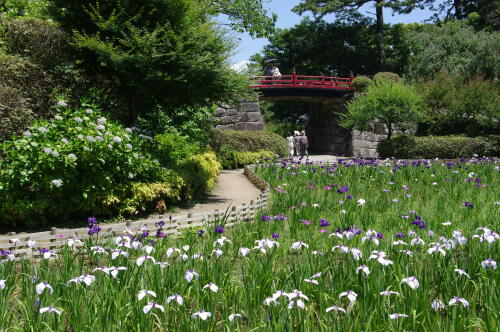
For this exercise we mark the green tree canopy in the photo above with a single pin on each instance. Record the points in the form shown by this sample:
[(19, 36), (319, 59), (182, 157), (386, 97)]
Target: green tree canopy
[(160, 52), (394, 103), (454, 48), (342, 7)]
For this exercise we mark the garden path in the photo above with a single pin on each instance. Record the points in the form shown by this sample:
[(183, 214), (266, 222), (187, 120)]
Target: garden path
[(232, 189)]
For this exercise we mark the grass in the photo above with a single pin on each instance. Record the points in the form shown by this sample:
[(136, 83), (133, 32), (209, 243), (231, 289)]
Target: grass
[(304, 194)]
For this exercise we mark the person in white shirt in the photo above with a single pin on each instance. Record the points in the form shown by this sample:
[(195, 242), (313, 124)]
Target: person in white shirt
[(291, 144)]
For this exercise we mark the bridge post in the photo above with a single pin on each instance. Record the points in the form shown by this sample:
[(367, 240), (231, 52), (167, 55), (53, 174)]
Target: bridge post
[(294, 79)]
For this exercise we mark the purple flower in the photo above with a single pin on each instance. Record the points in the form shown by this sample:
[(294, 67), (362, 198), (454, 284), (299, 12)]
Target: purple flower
[(400, 235), (265, 218), (275, 235), (343, 189), (380, 235), (349, 196), (200, 232), (305, 221), (280, 217), (94, 230), (91, 221), (324, 223), (219, 229), (468, 204), (145, 234), (160, 224), (160, 234)]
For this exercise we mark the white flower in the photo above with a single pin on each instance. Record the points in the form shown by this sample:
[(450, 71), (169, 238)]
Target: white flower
[(350, 295), (460, 300), (177, 298), (100, 127), (356, 253), (148, 249), (89, 111), (27, 134), (117, 139), (447, 223), (190, 275), (299, 245), (161, 264), (436, 247), (128, 146), (57, 183), (335, 308), (118, 252), (141, 259), (312, 279), (2, 284), (87, 279), (399, 243), (361, 202), (31, 243), (128, 130), (417, 241), (232, 316), (296, 303), (144, 292), (98, 250), (14, 240), (114, 270), (315, 205), (388, 292), (489, 263), (217, 252), (292, 295), (342, 248), (244, 251), (62, 103), (72, 157), (411, 281), (72, 241), (363, 268), (50, 309), (396, 316), (78, 119), (58, 117), (380, 256), (64, 140), (147, 308), (203, 315), (437, 304), (221, 241), (42, 286), (42, 129), (171, 251), (123, 241), (213, 287), (461, 272), (407, 252), (49, 253)]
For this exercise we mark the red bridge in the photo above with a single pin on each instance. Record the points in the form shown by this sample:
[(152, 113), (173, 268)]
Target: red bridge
[(301, 87)]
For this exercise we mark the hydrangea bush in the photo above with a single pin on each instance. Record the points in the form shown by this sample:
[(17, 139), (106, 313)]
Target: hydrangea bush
[(77, 163)]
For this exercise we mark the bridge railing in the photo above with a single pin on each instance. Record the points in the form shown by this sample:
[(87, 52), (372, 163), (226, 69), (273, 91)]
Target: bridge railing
[(302, 81)]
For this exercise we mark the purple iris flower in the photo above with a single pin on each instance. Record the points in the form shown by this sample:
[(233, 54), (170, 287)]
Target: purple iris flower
[(280, 217), (324, 223), (94, 230), (343, 189), (468, 204), (160, 224), (267, 218), (160, 234), (305, 221), (219, 229), (400, 235), (275, 235), (200, 232), (380, 235), (145, 234), (91, 221), (349, 196)]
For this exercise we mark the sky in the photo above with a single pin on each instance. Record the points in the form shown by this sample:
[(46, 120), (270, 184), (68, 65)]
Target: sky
[(286, 19)]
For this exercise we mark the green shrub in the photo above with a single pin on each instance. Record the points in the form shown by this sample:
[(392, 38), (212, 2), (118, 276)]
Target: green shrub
[(231, 159), (252, 141), (170, 148), (67, 167), (448, 147), (361, 83), (25, 94), (40, 41), (386, 76), (200, 173)]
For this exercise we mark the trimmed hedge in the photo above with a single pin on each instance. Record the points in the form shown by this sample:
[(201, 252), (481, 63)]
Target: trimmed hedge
[(231, 159), (200, 174), (449, 147), (253, 141)]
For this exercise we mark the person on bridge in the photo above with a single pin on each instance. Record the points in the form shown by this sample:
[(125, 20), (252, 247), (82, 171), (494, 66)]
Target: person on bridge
[(291, 144), (276, 71), (296, 142)]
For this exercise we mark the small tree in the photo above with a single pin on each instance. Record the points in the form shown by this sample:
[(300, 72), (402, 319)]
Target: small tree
[(394, 103)]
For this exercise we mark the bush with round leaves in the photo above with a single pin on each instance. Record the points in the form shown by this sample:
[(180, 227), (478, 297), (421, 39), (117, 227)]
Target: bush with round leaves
[(77, 164)]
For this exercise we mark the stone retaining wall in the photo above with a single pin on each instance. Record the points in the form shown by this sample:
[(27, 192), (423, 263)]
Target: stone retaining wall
[(246, 116)]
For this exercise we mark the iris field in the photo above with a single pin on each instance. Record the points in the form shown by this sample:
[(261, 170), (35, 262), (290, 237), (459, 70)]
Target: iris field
[(357, 245)]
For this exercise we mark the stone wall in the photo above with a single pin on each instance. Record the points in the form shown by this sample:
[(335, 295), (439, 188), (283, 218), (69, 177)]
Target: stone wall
[(324, 132), (246, 116), (364, 143)]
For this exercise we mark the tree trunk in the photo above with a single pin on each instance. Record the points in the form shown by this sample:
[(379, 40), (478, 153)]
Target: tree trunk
[(380, 35), (389, 130), (458, 9)]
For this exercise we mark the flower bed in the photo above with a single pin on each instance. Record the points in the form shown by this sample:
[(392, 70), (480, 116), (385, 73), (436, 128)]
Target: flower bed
[(353, 246)]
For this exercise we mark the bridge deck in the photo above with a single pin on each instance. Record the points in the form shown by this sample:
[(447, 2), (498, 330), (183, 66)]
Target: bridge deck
[(302, 82)]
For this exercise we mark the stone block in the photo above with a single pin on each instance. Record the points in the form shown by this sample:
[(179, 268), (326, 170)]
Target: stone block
[(254, 117), (379, 128), (252, 126), (249, 107), (357, 143)]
